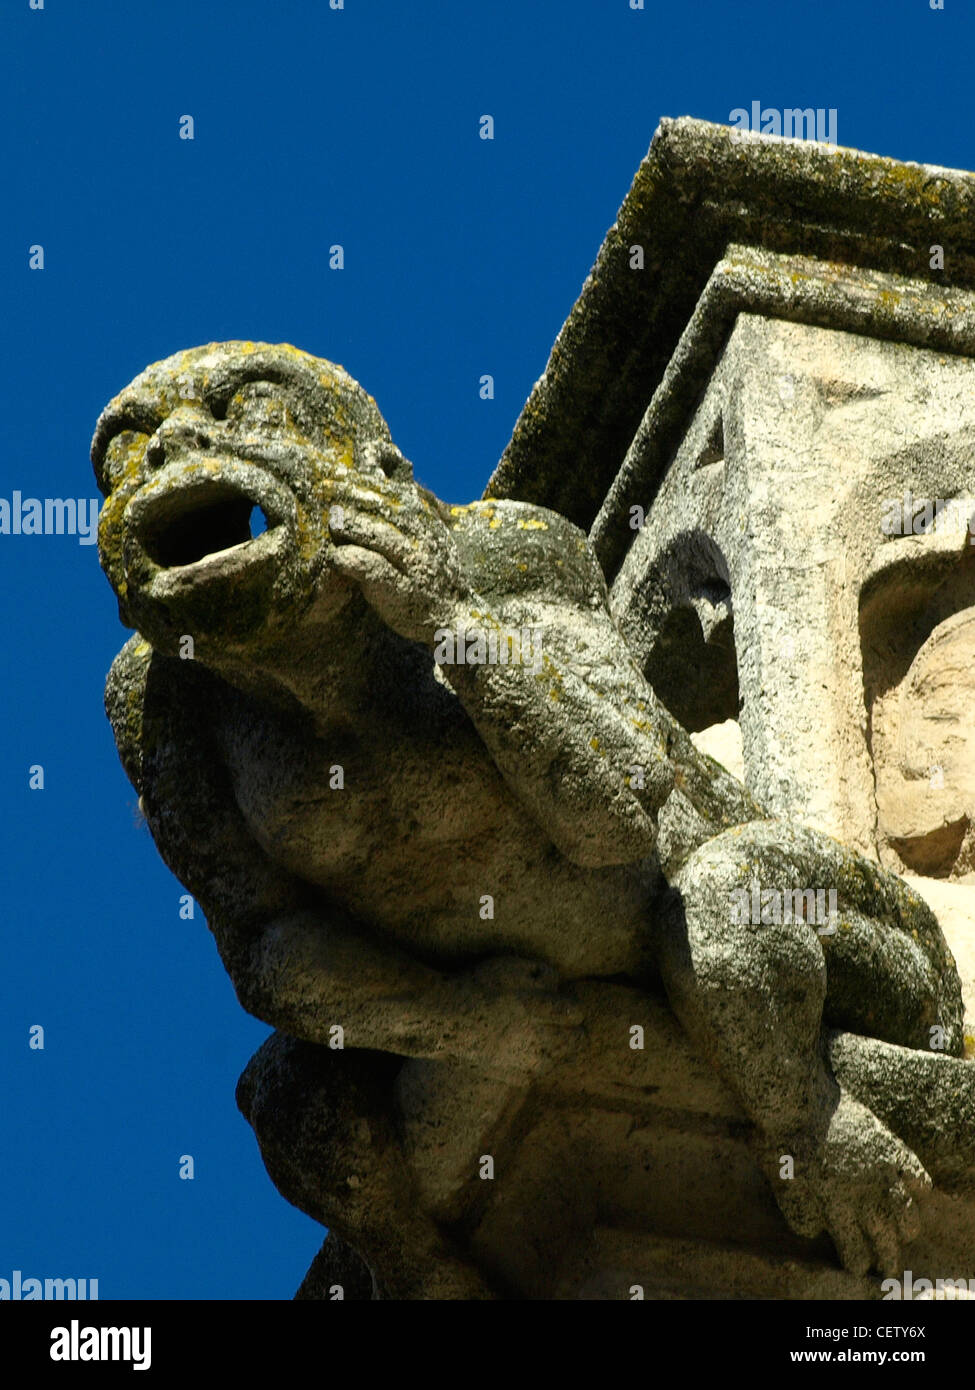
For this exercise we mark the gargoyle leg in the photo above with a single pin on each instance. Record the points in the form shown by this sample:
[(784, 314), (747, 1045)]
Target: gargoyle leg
[(752, 995)]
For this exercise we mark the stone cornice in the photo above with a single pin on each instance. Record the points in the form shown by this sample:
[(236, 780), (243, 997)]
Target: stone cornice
[(701, 188)]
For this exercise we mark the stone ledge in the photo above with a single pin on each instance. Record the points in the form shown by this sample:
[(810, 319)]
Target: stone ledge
[(701, 187)]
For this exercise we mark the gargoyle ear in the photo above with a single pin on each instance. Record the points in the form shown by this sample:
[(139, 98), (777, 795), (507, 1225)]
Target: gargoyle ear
[(385, 455)]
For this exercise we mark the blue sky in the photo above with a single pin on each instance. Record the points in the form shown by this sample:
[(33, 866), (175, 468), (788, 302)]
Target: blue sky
[(312, 126)]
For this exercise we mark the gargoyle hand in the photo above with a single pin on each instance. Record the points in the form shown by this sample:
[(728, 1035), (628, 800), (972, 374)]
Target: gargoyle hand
[(390, 541)]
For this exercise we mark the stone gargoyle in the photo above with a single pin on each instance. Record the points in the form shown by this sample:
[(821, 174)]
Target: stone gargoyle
[(451, 877)]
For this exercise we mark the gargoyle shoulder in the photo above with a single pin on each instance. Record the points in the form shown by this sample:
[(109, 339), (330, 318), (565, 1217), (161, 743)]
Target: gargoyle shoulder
[(514, 548), (124, 703)]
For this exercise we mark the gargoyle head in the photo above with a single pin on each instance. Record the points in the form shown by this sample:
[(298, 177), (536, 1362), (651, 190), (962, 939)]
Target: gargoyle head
[(217, 466)]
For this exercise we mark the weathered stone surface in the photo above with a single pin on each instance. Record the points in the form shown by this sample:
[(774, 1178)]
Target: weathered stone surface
[(557, 1013)]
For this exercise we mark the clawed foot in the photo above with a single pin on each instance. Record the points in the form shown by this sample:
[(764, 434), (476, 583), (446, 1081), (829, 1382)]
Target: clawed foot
[(859, 1182)]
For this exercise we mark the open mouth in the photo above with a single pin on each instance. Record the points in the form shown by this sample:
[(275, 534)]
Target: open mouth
[(198, 524), (192, 525)]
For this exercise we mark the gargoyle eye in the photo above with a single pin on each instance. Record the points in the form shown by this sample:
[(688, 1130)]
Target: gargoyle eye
[(227, 401)]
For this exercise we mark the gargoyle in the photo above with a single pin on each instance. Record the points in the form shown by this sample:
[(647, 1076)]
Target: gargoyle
[(436, 856)]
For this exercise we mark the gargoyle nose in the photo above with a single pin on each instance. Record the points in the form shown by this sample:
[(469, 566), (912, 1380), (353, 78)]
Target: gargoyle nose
[(177, 433)]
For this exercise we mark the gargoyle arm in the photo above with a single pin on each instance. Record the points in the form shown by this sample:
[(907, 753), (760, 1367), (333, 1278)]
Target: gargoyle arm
[(578, 735)]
